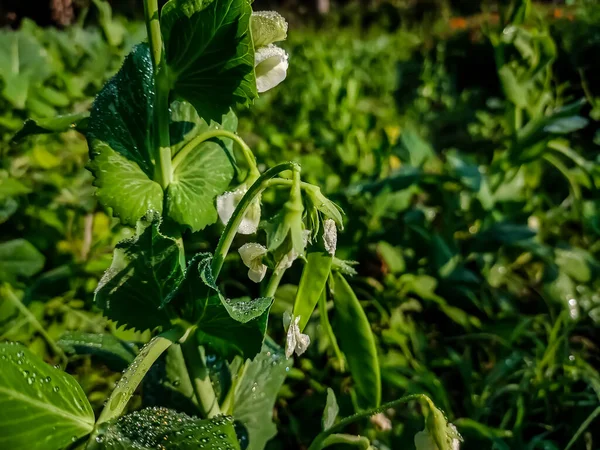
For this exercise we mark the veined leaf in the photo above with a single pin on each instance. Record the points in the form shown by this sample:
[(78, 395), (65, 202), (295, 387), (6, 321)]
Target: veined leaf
[(358, 344), (42, 407), (256, 392), (144, 272), (202, 175), (121, 143), (153, 428), (230, 327), (19, 258), (209, 53)]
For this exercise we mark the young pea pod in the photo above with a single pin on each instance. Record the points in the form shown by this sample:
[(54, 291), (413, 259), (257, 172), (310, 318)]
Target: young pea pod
[(357, 342), (313, 280)]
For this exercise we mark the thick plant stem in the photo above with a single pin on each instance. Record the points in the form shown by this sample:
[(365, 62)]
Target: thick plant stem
[(198, 372), (248, 155), (162, 156), (234, 223)]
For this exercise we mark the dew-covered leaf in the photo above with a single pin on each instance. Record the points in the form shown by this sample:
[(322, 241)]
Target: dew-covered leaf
[(120, 136), (115, 353), (42, 407), (256, 393), (163, 428), (144, 272), (19, 258), (230, 327), (209, 53)]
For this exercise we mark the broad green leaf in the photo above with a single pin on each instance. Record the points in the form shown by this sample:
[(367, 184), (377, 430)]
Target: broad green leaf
[(314, 277), (76, 121), (42, 407), (11, 187), (356, 340), (230, 327), (392, 257), (115, 353), (331, 410), (18, 258), (256, 392), (209, 53), (162, 428), (144, 272), (120, 138), (202, 175)]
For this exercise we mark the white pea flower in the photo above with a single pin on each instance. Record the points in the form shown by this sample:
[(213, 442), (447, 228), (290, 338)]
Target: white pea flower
[(381, 422), (270, 65), (252, 255), (330, 236), (296, 342), (228, 201), (288, 259)]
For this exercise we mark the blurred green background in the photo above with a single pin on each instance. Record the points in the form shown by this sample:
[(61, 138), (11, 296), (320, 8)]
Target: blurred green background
[(461, 139)]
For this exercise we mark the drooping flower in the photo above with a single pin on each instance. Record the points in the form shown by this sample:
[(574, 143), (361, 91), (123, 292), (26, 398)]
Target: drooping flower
[(228, 201), (252, 254), (296, 342), (330, 236), (270, 65), (438, 434), (381, 422)]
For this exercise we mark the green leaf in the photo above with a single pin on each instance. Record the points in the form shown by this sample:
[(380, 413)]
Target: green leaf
[(314, 277), (23, 63), (153, 428), (115, 353), (76, 121), (209, 53), (356, 340), (18, 258), (42, 407), (331, 410), (230, 327), (145, 270), (202, 175), (120, 138), (255, 394)]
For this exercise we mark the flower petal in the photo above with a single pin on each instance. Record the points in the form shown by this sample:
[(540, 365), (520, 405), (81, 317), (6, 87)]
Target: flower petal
[(270, 65), (267, 27), (330, 236)]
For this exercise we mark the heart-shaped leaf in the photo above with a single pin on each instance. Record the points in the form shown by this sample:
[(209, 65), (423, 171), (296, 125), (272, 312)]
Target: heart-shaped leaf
[(42, 407), (144, 272), (209, 53), (120, 136)]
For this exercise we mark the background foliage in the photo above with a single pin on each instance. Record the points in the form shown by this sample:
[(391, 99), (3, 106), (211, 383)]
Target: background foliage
[(465, 159)]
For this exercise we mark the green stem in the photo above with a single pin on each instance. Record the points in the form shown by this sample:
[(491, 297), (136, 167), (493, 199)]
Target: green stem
[(317, 444), (36, 324), (518, 123), (273, 283), (234, 223), (199, 376), (136, 371), (248, 155), (162, 157)]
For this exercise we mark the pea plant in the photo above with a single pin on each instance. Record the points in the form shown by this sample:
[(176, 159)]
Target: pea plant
[(161, 135)]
